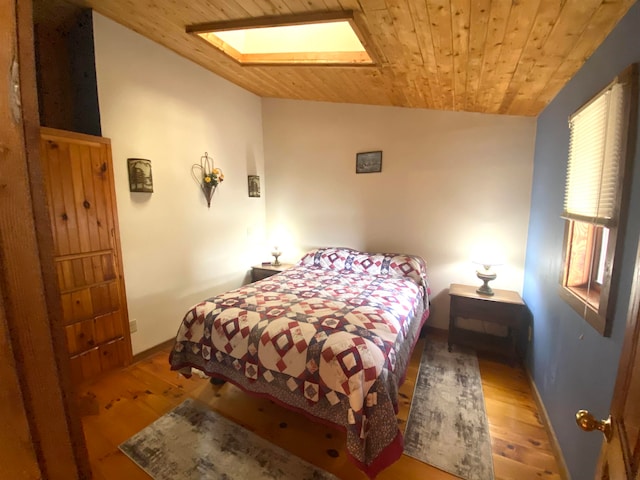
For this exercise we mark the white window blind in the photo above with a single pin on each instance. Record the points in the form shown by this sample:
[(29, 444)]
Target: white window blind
[(595, 149)]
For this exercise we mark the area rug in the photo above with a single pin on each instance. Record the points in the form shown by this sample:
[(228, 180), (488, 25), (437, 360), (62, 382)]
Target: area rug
[(192, 442), (447, 425)]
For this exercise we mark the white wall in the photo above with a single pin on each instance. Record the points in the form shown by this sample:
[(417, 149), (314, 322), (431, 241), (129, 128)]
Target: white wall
[(449, 181), (157, 105)]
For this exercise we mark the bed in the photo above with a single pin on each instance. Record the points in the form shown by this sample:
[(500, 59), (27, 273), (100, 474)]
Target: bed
[(330, 338)]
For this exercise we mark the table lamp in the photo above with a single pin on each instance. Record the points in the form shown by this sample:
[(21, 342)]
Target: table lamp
[(486, 273), (276, 253)]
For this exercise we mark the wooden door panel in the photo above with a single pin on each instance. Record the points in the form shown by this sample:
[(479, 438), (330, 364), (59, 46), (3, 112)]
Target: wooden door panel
[(89, 273), (86, 365), (85, 271), (78, 271), (108, 327), (109, 194), (64, 276), (91, 204), (620, 454), (69, 215), (78, 155), (55, 196), (100, 178), (81, 306), (88, 334), (107, 264), (112, 355), (82, 210), (631, 416), (614, 463), (80, 336), (91, 302), (79, 196), (105, 298)]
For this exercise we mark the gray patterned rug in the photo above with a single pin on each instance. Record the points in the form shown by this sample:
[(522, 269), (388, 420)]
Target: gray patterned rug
[(192, 442), (447, 425)]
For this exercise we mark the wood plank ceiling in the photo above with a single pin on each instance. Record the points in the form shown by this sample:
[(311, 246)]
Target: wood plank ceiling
[(491, 56)]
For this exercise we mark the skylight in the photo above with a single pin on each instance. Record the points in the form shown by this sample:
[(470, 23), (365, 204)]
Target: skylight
[(325, 40)]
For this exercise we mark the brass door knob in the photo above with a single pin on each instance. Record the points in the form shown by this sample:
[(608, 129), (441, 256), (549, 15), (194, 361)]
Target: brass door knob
[(588, 423)]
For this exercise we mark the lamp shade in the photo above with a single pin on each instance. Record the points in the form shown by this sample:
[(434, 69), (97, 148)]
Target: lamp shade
[(488, 257)]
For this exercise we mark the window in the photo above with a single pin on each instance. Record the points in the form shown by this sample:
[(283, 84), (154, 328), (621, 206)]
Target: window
[(596, 197), (329, 38)]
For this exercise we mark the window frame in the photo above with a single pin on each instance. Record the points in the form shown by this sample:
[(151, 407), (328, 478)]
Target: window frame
[(601, 318)]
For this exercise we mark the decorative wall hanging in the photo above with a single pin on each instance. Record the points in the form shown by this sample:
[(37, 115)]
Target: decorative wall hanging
[(369, 162), (140, 179), (207, 176), (254, 185)]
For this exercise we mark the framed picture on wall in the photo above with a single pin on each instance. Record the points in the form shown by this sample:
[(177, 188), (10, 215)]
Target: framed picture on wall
[(369, 162), (140, 179), (254, 185)]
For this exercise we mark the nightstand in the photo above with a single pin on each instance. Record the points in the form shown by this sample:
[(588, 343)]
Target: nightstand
[(258, 272), (504, 310)]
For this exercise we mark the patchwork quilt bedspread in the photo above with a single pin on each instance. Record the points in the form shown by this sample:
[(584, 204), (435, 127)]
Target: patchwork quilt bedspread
[(331, 338)]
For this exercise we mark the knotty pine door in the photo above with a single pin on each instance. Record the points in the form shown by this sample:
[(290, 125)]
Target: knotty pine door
[(80, 190)]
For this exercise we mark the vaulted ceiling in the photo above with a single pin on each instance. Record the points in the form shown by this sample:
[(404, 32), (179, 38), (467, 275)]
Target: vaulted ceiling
[(492, 56)]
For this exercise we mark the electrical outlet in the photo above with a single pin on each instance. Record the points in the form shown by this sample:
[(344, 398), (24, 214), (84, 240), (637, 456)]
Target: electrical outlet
[(133, 325)]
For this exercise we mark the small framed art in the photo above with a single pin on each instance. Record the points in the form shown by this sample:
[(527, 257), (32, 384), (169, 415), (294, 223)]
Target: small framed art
[(254, 185), (140, 179), (369, 162)]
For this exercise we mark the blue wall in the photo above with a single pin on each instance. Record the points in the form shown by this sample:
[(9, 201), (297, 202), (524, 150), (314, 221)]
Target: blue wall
[(572, 365)]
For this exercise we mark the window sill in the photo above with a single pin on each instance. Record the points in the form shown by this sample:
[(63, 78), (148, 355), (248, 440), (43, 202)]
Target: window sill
[(584, 309), (590, 297)]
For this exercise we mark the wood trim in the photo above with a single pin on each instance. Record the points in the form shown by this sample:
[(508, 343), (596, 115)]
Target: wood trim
[(359, 26), (270, 21), (115, 236), (52, 133), (28, 277), (544, 417), (632, 331), (602, 318), (74, 256), (206, 32), (153, 350), (325, 59), (85, 287)]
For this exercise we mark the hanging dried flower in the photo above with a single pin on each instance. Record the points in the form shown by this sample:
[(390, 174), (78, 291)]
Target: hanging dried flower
[(206, 176)]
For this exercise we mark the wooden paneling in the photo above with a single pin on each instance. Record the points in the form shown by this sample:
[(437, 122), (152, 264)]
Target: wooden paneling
[(17, 455), (83, 217), (492, 56), (31, 334)]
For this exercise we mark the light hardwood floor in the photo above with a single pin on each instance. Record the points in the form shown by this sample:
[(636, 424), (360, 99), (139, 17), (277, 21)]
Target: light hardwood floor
[(121, 403)]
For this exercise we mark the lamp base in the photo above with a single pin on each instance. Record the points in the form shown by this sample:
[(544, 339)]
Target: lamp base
[(486, 277), (277, 262)]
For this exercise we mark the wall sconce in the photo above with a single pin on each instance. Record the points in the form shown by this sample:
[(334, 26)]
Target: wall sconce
[(254, 185), (140, 179), (207, 177)]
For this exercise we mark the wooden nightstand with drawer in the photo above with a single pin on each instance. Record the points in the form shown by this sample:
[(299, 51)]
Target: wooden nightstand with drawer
[(259, 272), (504, 309)]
